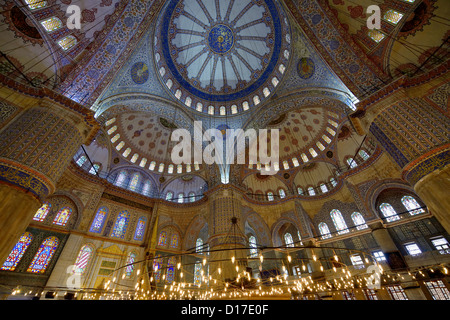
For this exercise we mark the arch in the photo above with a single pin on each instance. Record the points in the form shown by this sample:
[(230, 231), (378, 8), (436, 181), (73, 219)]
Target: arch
[(411, 205), (63, 216), (121, 224), (42, 212), (338, 221), (83, 258), (359, 221), (99, 220), (140, 228), (129, 270), (324, 230), (43, 255), (17, 252)]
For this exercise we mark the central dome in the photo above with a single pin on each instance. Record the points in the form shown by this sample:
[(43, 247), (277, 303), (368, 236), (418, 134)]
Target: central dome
[(222, 57)]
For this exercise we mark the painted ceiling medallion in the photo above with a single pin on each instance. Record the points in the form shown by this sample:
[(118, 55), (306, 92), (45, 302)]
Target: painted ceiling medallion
[(224, 53)]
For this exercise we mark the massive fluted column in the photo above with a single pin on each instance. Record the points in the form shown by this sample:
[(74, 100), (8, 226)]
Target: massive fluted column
[(35, 149), (414, 131), (226, 237)]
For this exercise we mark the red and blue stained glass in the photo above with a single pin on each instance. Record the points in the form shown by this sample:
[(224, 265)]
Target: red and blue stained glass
[(174, 241), (157, 265), (170, 270), (63, 216), (130, 264), (42, 212), (99, 220), (44, 255), (17, 252), (162, 239)]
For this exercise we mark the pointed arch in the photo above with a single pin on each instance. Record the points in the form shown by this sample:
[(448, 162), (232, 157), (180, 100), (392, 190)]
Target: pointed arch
[(17, 252), (43, 255)]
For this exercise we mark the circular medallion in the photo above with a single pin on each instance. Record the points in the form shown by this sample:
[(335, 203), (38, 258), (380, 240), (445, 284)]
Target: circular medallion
[(139, 73), (214, 53), (306, 68), (220, 39)]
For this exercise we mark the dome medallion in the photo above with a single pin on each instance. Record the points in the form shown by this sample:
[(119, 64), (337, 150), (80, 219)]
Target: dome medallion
[(222, 57)]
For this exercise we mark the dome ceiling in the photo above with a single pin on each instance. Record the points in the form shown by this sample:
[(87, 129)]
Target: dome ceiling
[(229, 54)]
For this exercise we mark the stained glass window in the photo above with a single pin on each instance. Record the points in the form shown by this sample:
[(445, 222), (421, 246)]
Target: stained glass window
[(324, 231), (99, 220), (413, 249), (120, 145), (121, 224), (121, 177), (169, 195), (67, 42), (152, 165), (364, 155), (170, 270), (438, 290), (323, 188), (94, 169), (442, 245), (311, 191), (127, 152), (147, 188), (320, 145), (17, 252), (359, 221), (170, 168), (375, 35), (288, 240), (198, 274), (326, 138), (412, 205), (134, 181), (180, 198), (62, 216), (389, 212), (36, 4), (333, 182), (352, 163), (299, 237), (112, 130), (174, 241), (157, 265), (162, 241), (270, 196), (82, 260), (282, 193), (143, 162), (81, 160), (393, 16), (44, 255), (42, 212), (304, 157), (338, 221), (140, 227), (331, 131), (191, 196), (134, 158), (253, 248), (130, 264), (285, 164), (397, 292), (300, 190), (199, 245), (115, 138)]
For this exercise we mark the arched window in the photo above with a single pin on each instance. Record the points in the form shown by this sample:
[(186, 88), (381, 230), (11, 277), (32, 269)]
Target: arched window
[(389, 212), (83, 259), (352, 163), (324, 231), (270, 196), (198, 274), (253, 247), (36, 4), (191, 196), (140, 228), (174, 241), (121, 224), (81, 160), (157, 265), (323, 188), (17, 252), (199, 245), (170, 270), (170, 168), (99, 220), (393, 16), (130, 264), (62, 216), (282, 193), (333, 182), (162, 241), (42, 212), (299, 237), (95, 168), (169, 196), (359, 221), (121, 177), (412, 205), (363, 154), (147, 188), (338, 221), (44, 255), (134, 181), (311, 191), (180, 198), (288, 240)]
